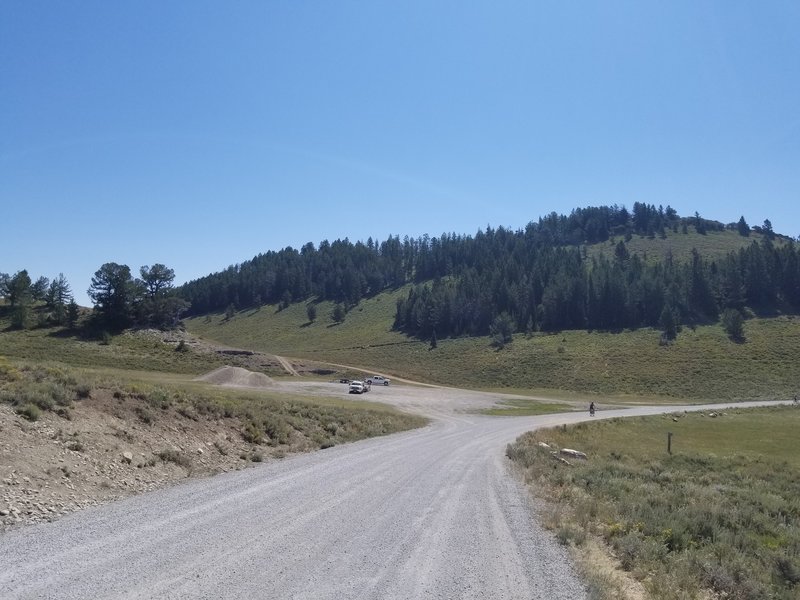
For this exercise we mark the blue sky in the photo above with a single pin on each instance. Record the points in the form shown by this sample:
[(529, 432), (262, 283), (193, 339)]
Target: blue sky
[(198, 134)]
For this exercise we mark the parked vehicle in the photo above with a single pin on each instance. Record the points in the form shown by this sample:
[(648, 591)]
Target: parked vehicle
[(357, 387), (378, 380)]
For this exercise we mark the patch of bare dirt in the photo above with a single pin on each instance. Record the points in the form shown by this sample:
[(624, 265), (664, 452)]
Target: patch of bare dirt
[(597, 563), (108, 449), (247, 359)]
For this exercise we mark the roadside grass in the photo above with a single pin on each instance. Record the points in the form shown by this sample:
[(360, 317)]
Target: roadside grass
[(262, 417), (526, 408), (628, 367), (720, 515)]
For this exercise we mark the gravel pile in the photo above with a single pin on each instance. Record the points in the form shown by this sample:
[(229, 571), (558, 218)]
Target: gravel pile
[(236, 377)]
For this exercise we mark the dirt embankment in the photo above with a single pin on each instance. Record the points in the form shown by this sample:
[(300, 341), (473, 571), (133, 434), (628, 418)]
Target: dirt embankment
[(110, 448)]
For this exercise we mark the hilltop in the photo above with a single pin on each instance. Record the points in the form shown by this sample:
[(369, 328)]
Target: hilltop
[(600, 268)]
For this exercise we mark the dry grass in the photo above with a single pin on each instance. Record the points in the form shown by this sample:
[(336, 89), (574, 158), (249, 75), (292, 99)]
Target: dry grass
[(702, 364), (720, 515)]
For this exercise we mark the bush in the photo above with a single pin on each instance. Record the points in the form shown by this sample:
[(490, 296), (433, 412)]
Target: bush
[(158, 398), (144, 415), (30, 412), (83, 391), (75, 445), (177, 457), (252, 434)]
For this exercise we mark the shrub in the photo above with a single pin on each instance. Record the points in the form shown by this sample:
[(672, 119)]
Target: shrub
[(158, 398), (30, 412), (788, 571), (144, 415), (175, 456), (83, 390), (252, 434), (569, 533)]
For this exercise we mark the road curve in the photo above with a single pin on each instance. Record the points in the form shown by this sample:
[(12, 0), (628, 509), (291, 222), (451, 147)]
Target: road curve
[(431, 513)]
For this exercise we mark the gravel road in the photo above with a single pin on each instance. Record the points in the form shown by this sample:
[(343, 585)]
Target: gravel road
[(432, 513)]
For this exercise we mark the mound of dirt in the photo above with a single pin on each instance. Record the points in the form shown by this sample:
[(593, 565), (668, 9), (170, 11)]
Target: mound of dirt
[(236, 377)]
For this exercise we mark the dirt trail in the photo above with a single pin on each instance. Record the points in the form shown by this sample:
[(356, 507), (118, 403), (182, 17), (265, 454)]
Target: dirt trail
[(287, 365)]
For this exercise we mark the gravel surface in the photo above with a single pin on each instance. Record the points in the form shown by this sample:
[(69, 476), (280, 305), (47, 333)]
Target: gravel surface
[(432, 513)]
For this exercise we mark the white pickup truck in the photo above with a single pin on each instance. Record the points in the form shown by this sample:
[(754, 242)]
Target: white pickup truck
[(377, 380), (359, 387)]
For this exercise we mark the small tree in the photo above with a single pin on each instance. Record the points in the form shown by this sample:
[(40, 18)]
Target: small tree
[(286, 300), (5, 280), (733, 324), (311, 312), (39, 288), (72, 314), (669, 324), (621, 251), (21, 316), (58, 297), (338, 313), (19, 288), (434, 342), (501, 330), (767, 229), (230, 312), (743, 227)]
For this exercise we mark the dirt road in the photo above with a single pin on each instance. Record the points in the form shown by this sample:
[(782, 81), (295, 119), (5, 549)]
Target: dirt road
[(431, 513)]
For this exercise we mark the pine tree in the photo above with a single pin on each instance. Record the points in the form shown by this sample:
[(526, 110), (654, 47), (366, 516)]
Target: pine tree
[(669, 324), (733, 323), (73, 312), (742, 227), (338, 313)]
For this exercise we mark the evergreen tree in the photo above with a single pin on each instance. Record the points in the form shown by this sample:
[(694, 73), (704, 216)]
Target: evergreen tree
[(73, 313), (742, 227), (39, 289), (159, 306), (113, 293), (58, 297), (311, 312), (19, 289), (501, 330), (339, 313), (668, 323), (733, 324), (230, 312), (767, 229)]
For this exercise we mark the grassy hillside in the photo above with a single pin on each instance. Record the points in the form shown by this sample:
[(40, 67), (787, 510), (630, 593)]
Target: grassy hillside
[(720, 514), (702, 364), (715, 244)]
